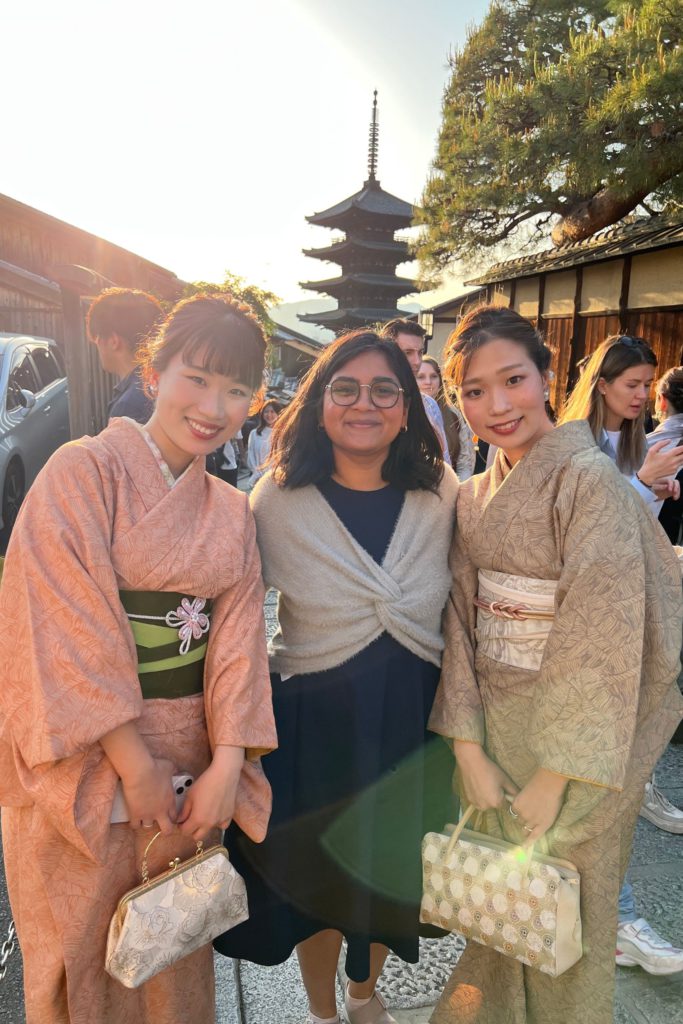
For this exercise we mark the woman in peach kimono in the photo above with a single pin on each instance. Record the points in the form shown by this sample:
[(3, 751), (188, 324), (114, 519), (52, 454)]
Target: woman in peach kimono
[(557, 713), (133, 648)]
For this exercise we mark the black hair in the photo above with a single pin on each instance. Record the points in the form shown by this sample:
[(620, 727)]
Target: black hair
[(270, 404), (220, 330), (301, 453), (489, 323)]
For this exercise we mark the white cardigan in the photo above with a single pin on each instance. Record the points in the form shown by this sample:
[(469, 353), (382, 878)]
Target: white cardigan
[(334, 598)]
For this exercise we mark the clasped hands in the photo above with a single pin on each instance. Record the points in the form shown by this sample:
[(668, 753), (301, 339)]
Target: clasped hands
[(208, 804), (535, 807)]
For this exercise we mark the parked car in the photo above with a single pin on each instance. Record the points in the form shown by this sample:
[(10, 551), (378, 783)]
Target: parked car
[(34, 416)]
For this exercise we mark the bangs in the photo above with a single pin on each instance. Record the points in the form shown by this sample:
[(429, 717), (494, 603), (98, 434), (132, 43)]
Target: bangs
[(237, 353)]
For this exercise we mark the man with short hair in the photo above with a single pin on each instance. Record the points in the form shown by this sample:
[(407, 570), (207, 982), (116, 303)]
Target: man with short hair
[(119, 320), (409, 336)]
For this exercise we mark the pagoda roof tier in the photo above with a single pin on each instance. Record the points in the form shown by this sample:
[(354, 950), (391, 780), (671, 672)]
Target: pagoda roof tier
[(401, 285), (335, 318), (372, 201), (343, 246)]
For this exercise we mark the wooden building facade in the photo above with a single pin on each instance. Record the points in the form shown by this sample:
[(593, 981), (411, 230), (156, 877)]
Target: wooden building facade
[(625, 280), (49, 273)]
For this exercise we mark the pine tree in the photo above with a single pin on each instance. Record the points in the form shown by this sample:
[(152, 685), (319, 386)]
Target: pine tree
[(558, 119)]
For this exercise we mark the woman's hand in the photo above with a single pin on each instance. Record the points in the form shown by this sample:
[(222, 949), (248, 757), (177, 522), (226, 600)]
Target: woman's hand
[(667, 487), (659, 464), (210, 802), (483, 783), (538, 804), (148, 792)]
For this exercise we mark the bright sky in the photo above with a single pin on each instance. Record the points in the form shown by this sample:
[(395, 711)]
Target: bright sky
[(200, 134)]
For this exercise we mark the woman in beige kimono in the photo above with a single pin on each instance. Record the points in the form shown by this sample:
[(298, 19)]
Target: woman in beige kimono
[(556, 722), (133, 647)]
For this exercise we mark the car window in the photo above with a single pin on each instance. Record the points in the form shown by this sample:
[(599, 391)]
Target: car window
[(22, 375), (59, 359), (46, 365)]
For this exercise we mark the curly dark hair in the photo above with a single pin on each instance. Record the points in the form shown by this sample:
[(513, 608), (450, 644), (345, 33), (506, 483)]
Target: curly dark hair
[(302, 454)]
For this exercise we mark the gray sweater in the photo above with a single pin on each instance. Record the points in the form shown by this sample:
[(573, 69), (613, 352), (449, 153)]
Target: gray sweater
[(334, 598)]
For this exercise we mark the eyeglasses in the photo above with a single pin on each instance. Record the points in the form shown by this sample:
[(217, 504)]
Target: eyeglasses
[(384, 394)]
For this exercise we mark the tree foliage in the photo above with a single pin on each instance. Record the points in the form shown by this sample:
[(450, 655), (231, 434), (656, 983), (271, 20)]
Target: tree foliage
[(557, 117), (258, 299)]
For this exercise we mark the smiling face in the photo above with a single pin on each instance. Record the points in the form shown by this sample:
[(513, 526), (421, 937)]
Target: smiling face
[(428, 380), (269, 416), (362, 429), (502, 397), (626, 395), (195, 412)]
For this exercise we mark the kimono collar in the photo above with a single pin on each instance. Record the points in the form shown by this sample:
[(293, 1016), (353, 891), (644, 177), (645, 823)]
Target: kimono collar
[(536, 466)]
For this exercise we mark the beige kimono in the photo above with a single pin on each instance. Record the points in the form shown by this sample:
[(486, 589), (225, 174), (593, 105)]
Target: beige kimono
[(590, 695), (100, 522)]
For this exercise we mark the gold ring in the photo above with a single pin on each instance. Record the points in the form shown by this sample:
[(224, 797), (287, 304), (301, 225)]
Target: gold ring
[(528, 828)]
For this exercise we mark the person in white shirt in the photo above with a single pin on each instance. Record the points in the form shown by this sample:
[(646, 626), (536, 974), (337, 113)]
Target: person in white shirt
[(258, 447), (612, 395), (410, 338), (458, 435)]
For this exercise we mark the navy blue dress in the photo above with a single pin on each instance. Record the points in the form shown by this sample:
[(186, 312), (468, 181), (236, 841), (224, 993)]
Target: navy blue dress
[(357, 781)]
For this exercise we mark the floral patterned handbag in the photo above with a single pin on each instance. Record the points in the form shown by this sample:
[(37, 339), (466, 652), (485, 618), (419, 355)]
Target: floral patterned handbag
[(521, 904), (170, 916)]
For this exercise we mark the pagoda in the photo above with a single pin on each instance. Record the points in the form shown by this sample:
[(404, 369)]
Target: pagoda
[(368, 288)]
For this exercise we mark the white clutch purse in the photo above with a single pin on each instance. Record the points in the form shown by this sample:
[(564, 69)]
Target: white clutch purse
[(170, 916), (524, 906)]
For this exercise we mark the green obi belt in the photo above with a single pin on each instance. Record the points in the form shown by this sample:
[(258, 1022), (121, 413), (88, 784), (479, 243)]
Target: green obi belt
[(171, 636)]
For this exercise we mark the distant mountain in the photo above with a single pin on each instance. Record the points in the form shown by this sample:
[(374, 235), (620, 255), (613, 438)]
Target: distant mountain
[(287, 315)]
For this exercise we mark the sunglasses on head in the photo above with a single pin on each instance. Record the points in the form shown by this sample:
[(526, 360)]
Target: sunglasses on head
[(629, 342)]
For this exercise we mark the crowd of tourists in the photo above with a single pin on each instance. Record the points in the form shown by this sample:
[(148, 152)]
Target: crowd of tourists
[(501, 643)]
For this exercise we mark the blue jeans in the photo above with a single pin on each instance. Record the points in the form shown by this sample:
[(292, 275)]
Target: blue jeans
[(627, 905)]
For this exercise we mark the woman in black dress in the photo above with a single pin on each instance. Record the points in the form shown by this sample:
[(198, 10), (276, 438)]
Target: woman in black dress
[(354, 524)]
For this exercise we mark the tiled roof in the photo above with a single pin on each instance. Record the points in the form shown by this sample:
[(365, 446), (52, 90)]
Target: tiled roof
[(371, 199), (636, 236)]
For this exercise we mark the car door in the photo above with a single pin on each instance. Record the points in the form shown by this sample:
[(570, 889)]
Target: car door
[(29, 426), (53, 395)]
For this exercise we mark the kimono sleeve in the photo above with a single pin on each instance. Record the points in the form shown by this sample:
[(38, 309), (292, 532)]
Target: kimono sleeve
[(67, 651), (69, 665), (583, 723), (458, 711), (238, 695)]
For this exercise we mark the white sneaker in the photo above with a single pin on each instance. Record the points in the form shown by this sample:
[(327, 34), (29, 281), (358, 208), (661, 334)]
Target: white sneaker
[(639, 945), (660, 811)]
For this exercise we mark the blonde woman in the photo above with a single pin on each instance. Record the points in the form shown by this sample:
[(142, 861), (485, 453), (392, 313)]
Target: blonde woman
[(612, 395)]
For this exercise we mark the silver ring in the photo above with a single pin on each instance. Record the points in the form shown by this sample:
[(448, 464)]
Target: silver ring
[(528, 828), (513, 813)]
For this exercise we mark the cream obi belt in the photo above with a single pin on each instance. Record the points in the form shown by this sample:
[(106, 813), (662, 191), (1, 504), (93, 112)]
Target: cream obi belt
[(514, 617)]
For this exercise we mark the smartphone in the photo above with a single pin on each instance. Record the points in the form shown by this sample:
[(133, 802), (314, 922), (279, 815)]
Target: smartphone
[(119, 811)]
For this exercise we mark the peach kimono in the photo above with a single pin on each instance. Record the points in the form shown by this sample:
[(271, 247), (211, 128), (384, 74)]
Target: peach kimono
[(102, 525)]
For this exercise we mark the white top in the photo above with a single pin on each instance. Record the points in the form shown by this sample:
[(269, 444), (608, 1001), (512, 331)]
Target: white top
[(609, 445), (258, 450)]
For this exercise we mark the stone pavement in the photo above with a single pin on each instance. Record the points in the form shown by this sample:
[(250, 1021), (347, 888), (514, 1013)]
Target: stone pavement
[(274, 995), (247, 994)]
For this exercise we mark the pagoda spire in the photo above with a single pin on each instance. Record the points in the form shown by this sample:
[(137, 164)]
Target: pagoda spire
[(373, 141)]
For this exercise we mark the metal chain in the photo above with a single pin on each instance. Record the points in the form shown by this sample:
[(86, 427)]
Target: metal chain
[(7, 948)]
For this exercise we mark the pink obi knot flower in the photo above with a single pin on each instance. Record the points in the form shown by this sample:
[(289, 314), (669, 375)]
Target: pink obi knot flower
[(189, 620)]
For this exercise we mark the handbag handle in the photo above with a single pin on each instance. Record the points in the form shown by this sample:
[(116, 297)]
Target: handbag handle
[(457, 831), (172, 863)]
